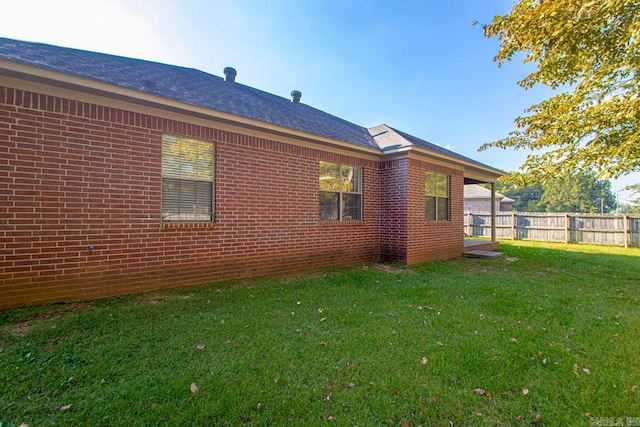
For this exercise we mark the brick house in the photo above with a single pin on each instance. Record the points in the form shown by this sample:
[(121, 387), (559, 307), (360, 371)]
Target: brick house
[(478, 199), (119, 175)]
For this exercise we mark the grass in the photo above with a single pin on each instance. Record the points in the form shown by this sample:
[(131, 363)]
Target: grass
[(348, 346)]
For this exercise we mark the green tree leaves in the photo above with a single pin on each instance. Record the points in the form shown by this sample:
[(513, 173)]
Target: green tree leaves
[(570, 192), (578, 192), (590, 52)]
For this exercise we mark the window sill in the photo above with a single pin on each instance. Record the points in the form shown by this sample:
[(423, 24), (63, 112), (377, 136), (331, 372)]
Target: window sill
[(207, 224), (339, 223)]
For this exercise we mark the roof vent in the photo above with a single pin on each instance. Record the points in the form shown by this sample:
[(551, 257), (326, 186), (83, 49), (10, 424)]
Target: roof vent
[(295, 96), (230, 74)]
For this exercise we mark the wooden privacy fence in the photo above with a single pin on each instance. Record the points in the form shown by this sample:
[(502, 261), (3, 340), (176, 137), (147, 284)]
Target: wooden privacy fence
[(595, 229)]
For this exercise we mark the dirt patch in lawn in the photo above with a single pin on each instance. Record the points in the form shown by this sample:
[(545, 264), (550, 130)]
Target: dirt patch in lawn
[(18, 329), (393, 269)]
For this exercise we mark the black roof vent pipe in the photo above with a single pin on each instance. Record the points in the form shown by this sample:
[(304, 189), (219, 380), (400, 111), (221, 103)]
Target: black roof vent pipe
[(295, 96), (230, 74)]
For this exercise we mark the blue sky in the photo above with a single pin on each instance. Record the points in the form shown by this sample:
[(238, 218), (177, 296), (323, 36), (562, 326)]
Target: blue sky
[(419, 66)]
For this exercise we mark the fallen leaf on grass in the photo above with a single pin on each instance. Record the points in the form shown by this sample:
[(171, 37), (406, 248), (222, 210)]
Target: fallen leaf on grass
[(259, 407), (525, 391), (323, 319), (586, 371), (194, 388), (65, 408), (404, 423), (439, 343), (200, 347), (424, 361), (228, 342), (24, 425), (433, 400), (351, 385), (331, 419), (326, 399), (479, 391), (537, 419), (323, 343), (514, 340)]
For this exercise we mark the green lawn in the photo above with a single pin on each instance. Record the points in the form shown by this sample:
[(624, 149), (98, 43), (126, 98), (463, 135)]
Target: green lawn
[(549, 330)]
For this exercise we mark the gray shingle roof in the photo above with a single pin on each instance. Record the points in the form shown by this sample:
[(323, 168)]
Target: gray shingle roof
[(386, 136), (474, 191), (186, 85), (195, 87)]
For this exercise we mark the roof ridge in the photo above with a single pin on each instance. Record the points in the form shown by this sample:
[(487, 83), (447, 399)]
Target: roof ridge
[(91, 52), (187, 85)]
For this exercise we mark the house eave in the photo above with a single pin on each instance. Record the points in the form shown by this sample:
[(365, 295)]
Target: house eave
[(32, 74), (11, 71), (472, 171)]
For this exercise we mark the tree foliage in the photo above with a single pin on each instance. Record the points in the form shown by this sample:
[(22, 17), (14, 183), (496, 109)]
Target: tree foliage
[(526, 197), (635, 191), (570, 192), (589, 51), (578, 192)]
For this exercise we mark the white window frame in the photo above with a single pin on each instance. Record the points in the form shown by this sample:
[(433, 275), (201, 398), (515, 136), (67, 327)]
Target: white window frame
[(439, 193), (341, 192), (194, 174)]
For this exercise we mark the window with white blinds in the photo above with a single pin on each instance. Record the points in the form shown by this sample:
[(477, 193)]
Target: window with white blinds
[(187, 179)]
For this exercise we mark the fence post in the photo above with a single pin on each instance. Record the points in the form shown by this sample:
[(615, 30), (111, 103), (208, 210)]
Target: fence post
[(469, 225), (567, 226), (513, 225), (627, 226)]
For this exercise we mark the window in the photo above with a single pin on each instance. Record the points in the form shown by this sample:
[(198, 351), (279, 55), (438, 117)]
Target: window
[(187, 179), (340, 192), (436, 191)]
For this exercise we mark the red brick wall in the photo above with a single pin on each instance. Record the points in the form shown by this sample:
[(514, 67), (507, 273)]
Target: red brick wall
[(433, 240), (74, 175), (393, 200)]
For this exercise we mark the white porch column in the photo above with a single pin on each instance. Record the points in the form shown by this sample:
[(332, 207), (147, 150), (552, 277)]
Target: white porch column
[(493, 211)]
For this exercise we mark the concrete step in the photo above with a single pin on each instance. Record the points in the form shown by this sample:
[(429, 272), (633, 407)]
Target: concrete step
[(483, 254)]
